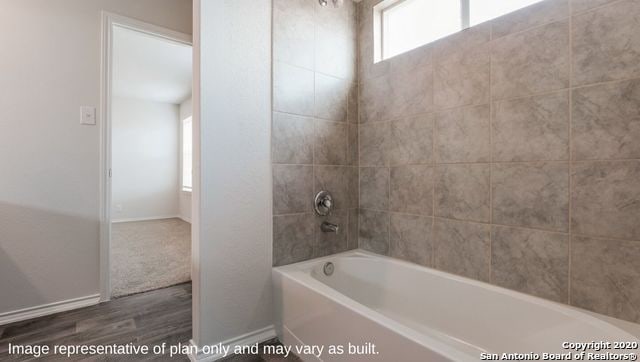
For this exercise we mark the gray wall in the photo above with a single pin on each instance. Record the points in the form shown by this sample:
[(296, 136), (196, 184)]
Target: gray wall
[(49, 188), (314, 139), (510, 153)]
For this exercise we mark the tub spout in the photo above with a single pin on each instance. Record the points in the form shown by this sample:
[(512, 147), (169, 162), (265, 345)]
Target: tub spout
[(328, 227)]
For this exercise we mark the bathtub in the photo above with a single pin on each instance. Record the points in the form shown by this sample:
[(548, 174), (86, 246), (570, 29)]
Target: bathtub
[(414, 313)]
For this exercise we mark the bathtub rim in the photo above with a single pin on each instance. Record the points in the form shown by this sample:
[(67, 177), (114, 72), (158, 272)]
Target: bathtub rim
[(301, 272)]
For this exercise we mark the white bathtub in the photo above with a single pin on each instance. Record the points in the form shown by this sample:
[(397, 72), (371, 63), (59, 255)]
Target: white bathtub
[(413, 313)]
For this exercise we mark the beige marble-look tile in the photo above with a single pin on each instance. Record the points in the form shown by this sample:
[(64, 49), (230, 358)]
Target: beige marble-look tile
[(531, 261), (463, 135), (335, 46), (330, 146), (375, 103), (352, 104), (605, 199), (292, 139), (411, 140), (605, 277), (374, 188), (411, 238), (334, 179), (353, 229), (293, 89), (462, 248), (531, 129), (606, 121), (354, 187), (374, 231), (462, 41), (293, 238), (374, 144), (412, 189), (353, 155), (331, 243), (411, 91), (414, 60), (367, 68), (463, 191), (462, 79), (292, 189), (540, 13), (578, 6), (530, 62), (293, 32), (532, 195), (331, 97), (606, 43)]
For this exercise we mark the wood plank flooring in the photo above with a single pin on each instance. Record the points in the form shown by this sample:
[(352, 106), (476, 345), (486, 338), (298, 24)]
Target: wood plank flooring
[(150, 318)]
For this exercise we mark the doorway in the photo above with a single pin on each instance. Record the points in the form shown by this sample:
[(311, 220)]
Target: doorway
[(147, 144)]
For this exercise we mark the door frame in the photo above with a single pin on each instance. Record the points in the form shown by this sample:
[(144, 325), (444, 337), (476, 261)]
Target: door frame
[(109, 22)]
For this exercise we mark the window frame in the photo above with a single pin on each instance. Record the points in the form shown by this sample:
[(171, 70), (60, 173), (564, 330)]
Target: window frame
[(184, 188), (379, 26)]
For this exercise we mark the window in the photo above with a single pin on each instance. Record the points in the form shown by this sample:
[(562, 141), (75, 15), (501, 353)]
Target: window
[(187, 154), (402, 25)]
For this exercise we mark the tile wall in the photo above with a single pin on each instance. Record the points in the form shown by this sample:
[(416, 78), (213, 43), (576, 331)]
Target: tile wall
[(509, 153), (314, 130)]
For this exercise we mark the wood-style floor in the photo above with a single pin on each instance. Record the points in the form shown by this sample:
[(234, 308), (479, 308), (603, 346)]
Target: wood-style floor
[(150, 318)]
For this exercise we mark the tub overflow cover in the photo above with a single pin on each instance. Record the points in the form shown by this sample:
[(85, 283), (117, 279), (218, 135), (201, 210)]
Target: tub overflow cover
[(328, 268)]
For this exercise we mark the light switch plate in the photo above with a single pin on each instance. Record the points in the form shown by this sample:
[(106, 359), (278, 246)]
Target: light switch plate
[(88, 115)]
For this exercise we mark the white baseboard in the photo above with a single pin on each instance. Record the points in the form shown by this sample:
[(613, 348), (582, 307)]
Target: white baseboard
[(185, 219), (46, 309), (133, 219), (257, 336)]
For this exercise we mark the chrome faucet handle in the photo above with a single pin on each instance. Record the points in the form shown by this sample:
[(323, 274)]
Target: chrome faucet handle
[(323, 203)]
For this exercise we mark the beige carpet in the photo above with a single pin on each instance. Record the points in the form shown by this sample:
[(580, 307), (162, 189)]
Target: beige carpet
[(148, 255)]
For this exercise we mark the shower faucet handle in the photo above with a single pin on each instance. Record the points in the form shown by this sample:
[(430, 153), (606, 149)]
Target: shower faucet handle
[(323, 203)]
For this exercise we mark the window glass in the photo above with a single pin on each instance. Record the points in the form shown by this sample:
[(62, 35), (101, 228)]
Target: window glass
[(402, 25), (411, 23)]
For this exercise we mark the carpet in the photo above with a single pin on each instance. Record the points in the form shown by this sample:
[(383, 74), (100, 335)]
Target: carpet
[(147, 255)]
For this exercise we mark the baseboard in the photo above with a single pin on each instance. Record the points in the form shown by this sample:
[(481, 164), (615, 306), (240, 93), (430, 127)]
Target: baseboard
[(185, 219), (150, 218), (46, 309), (257, 336)]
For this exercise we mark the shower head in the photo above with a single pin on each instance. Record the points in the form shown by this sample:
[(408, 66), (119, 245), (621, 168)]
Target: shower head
[(336, 3)]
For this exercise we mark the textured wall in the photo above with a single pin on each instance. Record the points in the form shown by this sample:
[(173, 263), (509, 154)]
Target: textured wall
[(509, 152), (231, 248), (314, 132)]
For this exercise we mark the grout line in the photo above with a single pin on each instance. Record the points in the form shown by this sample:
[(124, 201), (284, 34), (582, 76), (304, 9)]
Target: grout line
[(570, 246), (535, 162), (434, 171), (491, 110), (556, 231), (315, 247), (293, 214), (593, 9), (389, 212), (522, 97), (531, 28), (604, 238), (550, 231)]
